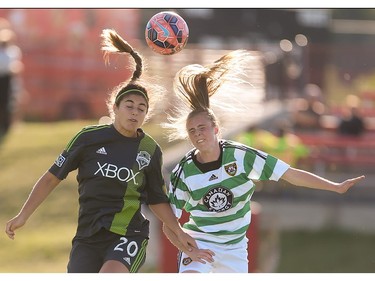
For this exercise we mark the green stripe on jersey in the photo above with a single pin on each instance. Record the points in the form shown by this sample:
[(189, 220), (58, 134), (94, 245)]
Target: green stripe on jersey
[(239, 163), (131, 198), (268, 168)]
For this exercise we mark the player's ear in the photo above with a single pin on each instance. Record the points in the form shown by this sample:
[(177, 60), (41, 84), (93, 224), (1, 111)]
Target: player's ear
[(114, 108), (216, 130)]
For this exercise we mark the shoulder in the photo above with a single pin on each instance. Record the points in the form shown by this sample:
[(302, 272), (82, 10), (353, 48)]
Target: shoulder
[(94, 130), (229, 145), (188, 158), (148, 138), (149, 143), (90, 132)]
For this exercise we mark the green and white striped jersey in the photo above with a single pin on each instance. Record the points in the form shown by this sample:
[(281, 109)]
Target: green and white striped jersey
[(218, 198)]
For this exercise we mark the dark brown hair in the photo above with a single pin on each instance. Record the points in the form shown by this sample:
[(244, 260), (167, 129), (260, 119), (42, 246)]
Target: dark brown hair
[(112, 42)]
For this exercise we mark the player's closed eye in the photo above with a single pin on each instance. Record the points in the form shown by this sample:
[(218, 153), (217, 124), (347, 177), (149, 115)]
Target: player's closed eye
[(130, 107)]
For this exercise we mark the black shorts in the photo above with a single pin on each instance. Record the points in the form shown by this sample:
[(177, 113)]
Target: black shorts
[(89, 254)]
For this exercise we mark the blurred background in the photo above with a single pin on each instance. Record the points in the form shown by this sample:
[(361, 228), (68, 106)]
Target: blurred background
[(311, 103)]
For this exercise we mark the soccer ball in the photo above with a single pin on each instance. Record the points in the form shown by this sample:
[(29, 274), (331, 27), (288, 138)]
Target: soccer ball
[(166, 33)]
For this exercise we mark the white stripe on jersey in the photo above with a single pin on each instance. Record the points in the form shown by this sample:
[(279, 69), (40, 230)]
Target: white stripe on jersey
[(232, 183)]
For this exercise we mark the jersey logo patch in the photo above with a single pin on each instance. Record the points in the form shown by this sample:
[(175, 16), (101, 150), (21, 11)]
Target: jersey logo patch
[(143, 159), (231, 169), (186, 261), (60, 161), (218, 199), (101, 151), (213, 177)]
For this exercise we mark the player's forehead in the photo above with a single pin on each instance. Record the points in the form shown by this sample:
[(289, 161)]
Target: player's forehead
[(198, 120), (136, 99)]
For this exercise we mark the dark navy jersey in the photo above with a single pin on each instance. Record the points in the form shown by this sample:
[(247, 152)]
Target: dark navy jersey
[(116, 174)]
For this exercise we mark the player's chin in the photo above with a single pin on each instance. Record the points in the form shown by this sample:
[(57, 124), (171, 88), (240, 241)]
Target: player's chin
[(132, 126), (201, 144)]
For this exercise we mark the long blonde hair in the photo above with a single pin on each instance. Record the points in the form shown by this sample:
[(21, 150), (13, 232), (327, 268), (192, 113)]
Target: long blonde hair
[(195, 84)]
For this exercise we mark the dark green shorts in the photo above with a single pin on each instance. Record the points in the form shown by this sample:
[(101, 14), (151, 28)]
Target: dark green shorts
[(89, 254)]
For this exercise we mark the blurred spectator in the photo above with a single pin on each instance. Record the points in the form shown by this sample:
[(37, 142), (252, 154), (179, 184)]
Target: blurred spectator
[(351, 122), (289, 146), (10, 68), (308, 111), (283, 143)]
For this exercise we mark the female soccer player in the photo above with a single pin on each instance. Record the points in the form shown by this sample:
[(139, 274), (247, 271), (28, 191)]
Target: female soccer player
[(119, 168), (214, 181)]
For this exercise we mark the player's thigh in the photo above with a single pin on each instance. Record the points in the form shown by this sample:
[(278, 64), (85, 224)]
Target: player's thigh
[(112, 266), (232, 258), (84, 258), (228, 259), (128, 250)]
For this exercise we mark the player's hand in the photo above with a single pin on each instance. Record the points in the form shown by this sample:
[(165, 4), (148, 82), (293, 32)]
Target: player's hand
[(12, 225), (201, 255), (344, 186), (187, 241)]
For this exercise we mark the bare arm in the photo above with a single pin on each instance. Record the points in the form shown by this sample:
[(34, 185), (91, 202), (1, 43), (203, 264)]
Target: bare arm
[(306, 179), (39, 193), (196, 254), (164, 213)]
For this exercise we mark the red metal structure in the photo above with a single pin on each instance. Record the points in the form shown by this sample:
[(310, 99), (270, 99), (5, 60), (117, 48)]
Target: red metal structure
[(64, 72)]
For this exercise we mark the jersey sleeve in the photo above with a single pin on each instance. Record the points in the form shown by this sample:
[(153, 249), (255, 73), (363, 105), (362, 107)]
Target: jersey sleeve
[(178, 192), (274, 168), (69, 159), (265, 166), (156, 190)]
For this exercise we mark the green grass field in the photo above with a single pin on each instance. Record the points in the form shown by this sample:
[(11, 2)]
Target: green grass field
[(327, 251), (43, 244)]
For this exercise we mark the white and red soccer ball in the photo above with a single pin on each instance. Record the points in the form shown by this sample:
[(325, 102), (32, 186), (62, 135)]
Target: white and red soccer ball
[(166, 33)]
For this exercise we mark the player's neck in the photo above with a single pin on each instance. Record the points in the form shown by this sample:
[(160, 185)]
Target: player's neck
[(209, 155)]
